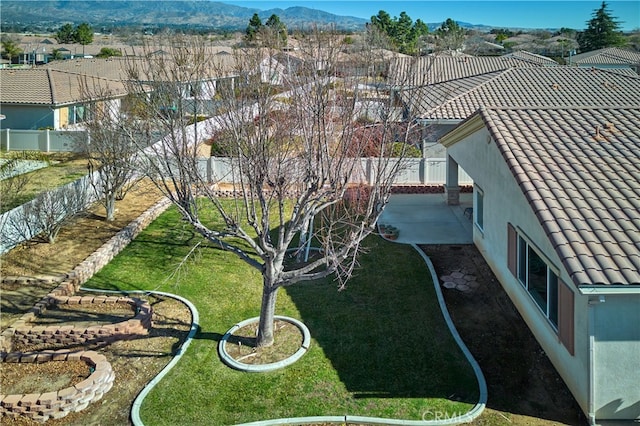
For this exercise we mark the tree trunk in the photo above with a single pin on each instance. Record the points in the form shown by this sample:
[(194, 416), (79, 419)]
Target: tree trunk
[(304, 236), (267, 312), (110, 207)]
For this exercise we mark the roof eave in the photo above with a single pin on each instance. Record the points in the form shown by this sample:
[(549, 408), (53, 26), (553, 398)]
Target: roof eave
[(464, 129), (611, 289)]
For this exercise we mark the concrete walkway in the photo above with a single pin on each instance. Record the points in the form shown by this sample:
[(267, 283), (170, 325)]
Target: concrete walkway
[(428, 219)]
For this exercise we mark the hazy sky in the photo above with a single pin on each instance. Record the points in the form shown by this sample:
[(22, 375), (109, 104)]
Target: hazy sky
[(500, 13)]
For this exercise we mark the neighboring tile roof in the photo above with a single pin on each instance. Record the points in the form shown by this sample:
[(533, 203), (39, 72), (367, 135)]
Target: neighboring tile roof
[(437, 69), (111, 68), (39, 86), (425, 99), (115, 68), (607, 56), (524, 87), (579, 169), (533, 58)]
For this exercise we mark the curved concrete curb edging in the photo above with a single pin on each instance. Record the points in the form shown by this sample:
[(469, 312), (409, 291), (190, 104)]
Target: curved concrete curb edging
[(465, 418), (259, 368), (195, 324)]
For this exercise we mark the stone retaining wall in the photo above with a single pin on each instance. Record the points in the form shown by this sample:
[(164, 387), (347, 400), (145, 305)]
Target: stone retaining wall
[(71, 335), (54, 405), (72, 281)]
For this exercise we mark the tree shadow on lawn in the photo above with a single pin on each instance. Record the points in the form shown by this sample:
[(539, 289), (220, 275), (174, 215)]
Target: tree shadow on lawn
[(385, 335)]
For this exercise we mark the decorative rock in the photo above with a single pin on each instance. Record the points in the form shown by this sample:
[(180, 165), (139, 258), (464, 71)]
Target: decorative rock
[(473, 284), (449, 284), (460, 281)]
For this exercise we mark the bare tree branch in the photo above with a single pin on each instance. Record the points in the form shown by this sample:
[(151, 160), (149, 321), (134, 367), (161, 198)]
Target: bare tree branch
[(291, 124)]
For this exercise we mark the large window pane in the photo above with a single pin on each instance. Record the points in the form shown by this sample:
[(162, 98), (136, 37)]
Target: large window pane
[(537, 279)]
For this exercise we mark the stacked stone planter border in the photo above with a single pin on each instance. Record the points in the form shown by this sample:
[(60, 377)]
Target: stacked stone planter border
[(55, 405), (42, 407), (72, 335)]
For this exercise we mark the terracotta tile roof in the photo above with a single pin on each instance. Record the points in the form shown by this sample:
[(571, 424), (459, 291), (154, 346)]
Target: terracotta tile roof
[(437, 69), (578, 167), (607, 56), (539, 86), (39, 86)]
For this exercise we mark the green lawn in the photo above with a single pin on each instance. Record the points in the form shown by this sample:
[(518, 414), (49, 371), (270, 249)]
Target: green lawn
[(379, 348)]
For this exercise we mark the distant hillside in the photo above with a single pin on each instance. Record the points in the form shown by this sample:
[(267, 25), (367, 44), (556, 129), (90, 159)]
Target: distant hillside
[(203, 14)]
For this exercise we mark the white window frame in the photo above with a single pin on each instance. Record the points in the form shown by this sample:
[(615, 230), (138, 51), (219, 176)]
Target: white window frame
[(478, 211)]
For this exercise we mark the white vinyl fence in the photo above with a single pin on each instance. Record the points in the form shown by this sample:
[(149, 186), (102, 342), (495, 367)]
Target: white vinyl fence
[(415, 171), (20, 224), (38, 140)]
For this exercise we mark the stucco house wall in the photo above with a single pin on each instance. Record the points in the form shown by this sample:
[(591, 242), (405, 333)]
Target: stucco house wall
[(505, 203), (615, 371), (26, 117)]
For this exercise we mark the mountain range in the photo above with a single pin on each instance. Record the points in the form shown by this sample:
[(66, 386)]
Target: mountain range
[(104, 15), (194, 14)]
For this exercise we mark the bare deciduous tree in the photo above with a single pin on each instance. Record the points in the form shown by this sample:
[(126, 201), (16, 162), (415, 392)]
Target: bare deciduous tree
[(290, 124), (45, 215), (11, 186), (110, 147)]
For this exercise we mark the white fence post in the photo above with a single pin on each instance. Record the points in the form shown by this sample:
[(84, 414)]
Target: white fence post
[(8, 140), (48, 140)]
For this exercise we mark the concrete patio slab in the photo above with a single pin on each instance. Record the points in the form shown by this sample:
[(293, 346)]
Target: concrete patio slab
[(428, 219)]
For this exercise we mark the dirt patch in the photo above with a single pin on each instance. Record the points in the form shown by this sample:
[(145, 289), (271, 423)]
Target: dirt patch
[(75, 243), (23, 378), (523, 386), (78, 239), (135, 362), (287, 340)]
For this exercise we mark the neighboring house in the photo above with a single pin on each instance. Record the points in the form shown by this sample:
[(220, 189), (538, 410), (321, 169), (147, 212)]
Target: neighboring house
[(202, 92), (478, 46), (429, 81), (557, 217), (440, 68), (40, 98), (533, 58), (609, 57), (275, 68), (443, 105)]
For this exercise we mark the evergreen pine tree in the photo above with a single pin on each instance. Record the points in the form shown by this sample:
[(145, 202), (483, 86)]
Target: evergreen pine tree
[(603, 30)]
